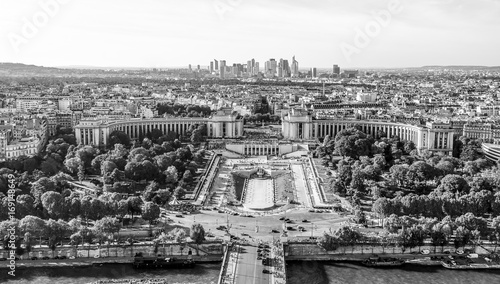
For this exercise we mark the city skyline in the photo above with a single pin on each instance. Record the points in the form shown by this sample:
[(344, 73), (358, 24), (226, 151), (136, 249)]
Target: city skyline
[(362, 34)]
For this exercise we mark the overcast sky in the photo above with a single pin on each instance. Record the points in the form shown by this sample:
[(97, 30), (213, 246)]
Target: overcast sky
[(167, 33)]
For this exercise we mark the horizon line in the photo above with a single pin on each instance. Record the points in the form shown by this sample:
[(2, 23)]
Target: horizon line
[(204, 67)]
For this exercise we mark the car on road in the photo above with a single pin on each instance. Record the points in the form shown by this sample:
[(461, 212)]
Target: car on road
[(34, 258), (282, 218), (275, 231), (305, 221), (210, 235), (179, 216), (45, 257), (222, 228), (221, 211), (266, 271)]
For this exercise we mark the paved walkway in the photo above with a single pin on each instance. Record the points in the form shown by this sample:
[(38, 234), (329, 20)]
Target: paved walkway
[(300, 185)]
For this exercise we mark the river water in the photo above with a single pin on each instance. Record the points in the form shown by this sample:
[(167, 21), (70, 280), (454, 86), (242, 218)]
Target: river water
[(333, 273), (298, 273), (200, 274)]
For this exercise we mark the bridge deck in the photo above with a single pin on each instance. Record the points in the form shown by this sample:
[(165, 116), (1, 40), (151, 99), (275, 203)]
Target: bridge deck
[(244, 267)]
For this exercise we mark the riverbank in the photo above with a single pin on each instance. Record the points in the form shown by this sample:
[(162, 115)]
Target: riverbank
[(326, 272), (415, 259), (89, 262)]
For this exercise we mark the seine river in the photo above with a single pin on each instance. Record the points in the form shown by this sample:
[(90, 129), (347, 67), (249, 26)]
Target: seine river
[(298, 273), (333, 273)]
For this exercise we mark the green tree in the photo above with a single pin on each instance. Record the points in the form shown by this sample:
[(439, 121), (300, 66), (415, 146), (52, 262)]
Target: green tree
[(438, 236), (453, 184), (56, 231), (162, 196), (462, 237), (347, 235), (107, 168), (81, 172), (179, 192), (35, 226), (119, 137), (134, 205), (353, 143), (150, 212), (381, 206), (196, 136), (187, 177), (106, 228), (197, 234), (328, 242), (171, 175), (494, 235), (53, 203)]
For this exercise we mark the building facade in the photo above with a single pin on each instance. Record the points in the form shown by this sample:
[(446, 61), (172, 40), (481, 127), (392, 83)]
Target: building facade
[(300, 125), (223, 124), (11, 148)]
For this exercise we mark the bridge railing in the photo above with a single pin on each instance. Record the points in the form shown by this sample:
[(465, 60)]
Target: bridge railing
[(225, 261)]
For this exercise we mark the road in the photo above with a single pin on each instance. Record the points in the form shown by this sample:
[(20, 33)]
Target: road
[(210, 220), (249, 268)]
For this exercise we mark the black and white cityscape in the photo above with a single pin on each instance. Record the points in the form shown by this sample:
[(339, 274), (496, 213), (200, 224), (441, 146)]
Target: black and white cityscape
[(249, 141)]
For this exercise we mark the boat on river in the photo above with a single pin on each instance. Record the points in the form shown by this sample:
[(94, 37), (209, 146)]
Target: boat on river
[(383, 262), (151, 262)]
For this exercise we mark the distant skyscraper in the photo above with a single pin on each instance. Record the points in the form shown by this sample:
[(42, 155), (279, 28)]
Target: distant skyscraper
[(216, 64), (211, 66), (256, 69), (189, 67), (295, 67), (198, 67), (285, 68), (222, 68), (249, 68), (280, 68), (313, 73), (336, 69), (271, 67)]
